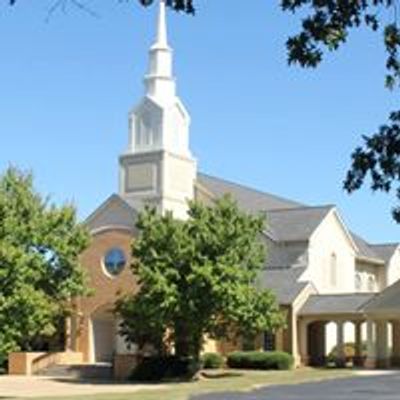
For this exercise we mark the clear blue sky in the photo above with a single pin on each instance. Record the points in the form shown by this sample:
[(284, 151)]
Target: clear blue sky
[(66, 87)]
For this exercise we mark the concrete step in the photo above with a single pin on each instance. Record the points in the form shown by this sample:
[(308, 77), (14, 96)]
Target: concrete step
[(81, 371)]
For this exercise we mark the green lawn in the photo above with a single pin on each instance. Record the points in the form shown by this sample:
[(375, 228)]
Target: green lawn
[(246, 380)]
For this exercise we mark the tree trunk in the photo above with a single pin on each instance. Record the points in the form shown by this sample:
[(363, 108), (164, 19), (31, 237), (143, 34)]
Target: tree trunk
[(187, 342), (182, 340)]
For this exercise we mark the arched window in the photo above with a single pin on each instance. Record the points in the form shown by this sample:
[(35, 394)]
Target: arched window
[(333, 270), (358, 282)]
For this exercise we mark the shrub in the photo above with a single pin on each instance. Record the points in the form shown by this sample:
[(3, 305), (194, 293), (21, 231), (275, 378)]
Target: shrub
[(155, 369), (3, 363), (212, 361), (349, 352), (260, 360)]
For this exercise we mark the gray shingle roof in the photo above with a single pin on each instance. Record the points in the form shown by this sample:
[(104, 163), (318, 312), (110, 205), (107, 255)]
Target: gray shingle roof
[(288, 220), (297, 224), (283, 282), (286, 254), (387, 301), (364, 248), (249, 199), (385, 251), (336, 304)]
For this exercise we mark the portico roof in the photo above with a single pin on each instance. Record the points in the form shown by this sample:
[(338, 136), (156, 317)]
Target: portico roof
[(336, 304), (386, 302)]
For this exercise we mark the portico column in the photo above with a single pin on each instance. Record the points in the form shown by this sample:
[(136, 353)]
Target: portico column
[(341, 356), (68, 334), (322, 343), (396, 343), (382, 344), (358, 355), (371, 358), (303, 341), (74, 332)]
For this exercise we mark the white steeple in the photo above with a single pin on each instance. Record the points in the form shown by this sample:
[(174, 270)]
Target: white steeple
[(157, 167), (159, 81)]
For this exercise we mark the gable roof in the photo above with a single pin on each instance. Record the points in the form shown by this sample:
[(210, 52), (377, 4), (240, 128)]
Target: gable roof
[(283, 282), (113, 212)]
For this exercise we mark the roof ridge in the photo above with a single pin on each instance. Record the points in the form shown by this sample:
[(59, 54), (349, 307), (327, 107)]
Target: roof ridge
[(343, 294), (384, 244), (326, 206), (244, 186)]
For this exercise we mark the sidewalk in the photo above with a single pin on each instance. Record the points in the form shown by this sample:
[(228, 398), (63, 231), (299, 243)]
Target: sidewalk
[(38, 386)]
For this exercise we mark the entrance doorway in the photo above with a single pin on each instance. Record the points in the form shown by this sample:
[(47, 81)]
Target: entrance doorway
[(104, 336)]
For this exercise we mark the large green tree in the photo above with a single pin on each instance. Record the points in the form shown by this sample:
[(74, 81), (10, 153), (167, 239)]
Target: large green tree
[(40, 245), (198, 278), (326, 25)]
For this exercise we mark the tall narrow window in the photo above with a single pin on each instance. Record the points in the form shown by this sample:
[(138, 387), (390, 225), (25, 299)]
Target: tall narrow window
[(269, 341), (358, 282), (371, 283), (333, 269)]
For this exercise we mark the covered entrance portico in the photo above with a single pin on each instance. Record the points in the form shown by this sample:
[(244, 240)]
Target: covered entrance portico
[(369, 322), (329, 323)]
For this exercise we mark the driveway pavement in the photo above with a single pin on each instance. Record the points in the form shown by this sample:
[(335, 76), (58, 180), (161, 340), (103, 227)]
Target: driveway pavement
[(374, 387)]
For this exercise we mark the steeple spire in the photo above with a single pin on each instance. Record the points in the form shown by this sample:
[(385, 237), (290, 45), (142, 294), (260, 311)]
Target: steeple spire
[(161, 40), (159, 82)]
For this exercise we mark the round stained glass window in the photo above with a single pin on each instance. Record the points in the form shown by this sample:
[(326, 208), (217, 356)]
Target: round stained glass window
[(114, 261)]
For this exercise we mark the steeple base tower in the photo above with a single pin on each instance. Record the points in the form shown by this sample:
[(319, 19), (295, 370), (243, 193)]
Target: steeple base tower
[(160, 179)]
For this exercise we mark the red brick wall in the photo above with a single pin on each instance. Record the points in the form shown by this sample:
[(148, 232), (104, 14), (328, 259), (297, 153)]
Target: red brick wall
[(106, 289)]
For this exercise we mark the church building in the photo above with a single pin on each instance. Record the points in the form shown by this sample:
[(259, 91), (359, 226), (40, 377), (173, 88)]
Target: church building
[(333, 286)]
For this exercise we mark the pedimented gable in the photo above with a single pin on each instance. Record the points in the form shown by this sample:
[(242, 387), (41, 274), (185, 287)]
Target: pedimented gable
[(114, 213), (333, 225)]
